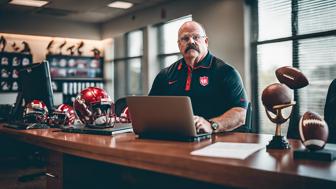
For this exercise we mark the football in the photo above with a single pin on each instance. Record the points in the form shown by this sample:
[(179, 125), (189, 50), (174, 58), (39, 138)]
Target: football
[(292, 77), (313, 131), (275, 94)]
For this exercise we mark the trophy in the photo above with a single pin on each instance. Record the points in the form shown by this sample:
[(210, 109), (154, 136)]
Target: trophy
[(3, 43), (60, 47), (26, 48), (277, 97), (15, 48), (49, 46), (71, 50), (79, 46)]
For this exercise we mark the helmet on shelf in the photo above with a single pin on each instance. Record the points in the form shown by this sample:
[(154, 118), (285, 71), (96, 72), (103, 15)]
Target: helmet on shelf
[(35, 111), (95, 108), (64, 115)]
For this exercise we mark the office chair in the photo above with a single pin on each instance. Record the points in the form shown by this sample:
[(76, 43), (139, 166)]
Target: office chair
[(120, 106), (330, 111), (247, 127)]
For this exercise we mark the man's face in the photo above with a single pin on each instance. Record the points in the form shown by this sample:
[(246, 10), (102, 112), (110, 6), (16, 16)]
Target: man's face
[(192, 41)]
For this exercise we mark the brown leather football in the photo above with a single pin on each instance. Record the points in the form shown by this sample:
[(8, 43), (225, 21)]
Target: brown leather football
[(313, 131), (276, 94), (292, 77)]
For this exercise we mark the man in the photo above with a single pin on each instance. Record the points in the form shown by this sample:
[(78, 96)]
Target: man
[(214, 87)]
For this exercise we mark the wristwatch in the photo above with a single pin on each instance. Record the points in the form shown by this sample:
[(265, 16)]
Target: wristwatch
[(214, 125)]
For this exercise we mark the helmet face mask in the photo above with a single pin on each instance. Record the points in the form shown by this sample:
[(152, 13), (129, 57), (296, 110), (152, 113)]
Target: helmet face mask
[(95, 108), (101, 114), (58, 119), (35, 112), (64, 115)]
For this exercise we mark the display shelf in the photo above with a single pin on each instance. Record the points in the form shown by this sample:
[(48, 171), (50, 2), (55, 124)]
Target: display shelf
[(10, 64), (71, 74)]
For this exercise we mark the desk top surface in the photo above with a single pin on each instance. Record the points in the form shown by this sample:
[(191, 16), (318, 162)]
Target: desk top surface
[(265, 168)]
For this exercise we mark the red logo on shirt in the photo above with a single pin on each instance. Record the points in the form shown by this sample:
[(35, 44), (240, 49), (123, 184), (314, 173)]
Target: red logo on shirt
[(204, 81)]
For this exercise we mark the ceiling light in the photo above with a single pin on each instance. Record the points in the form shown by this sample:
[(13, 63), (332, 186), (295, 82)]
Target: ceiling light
[(120, 5), (32, 3)]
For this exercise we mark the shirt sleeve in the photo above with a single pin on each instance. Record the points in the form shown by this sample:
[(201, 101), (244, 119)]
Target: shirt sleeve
[(158, 86), (236, 93)]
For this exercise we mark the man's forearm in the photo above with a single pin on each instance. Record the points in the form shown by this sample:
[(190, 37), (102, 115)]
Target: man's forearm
[(231, 119)]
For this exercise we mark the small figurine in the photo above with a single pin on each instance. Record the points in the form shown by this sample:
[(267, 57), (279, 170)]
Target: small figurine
[(80, 45), (15, 48), (96, 53), (71, 49), (50, 45), (3, 43), (26, 48), (61, 46)]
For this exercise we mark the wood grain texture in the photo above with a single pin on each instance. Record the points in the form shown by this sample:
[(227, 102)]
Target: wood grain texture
[(263, 169)]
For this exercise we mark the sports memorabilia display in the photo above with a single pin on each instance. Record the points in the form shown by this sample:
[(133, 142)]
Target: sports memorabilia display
[(313, 131), (95, 108), (277, 98), (10, 64), (292, 77)]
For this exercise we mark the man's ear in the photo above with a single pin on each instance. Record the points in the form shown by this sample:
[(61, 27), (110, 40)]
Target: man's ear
[(206, 41)]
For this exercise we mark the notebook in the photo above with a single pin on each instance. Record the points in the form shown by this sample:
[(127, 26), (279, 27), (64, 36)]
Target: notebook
[(163, 117), (117, 129)]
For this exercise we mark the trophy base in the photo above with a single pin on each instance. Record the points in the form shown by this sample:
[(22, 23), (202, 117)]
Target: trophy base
[(278, 142), (320, 155)]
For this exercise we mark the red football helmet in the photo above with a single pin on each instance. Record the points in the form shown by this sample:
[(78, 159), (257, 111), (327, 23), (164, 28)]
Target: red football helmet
[(95, 108), (35, 112), (64, 115)]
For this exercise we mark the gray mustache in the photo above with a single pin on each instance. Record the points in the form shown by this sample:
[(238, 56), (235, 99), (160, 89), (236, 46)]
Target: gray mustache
[(192, 46)]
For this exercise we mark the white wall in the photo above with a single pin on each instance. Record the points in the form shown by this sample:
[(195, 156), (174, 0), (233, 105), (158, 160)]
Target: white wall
[(222, 19)]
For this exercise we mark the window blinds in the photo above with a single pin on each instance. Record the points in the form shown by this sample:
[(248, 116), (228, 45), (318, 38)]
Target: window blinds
[(300, 33)]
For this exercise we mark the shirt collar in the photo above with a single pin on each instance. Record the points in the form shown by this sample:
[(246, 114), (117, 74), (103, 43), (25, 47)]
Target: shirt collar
[(205, 63)]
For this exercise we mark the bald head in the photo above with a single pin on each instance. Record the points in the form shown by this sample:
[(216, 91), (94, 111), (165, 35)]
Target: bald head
[(192, 25), (192, 42)]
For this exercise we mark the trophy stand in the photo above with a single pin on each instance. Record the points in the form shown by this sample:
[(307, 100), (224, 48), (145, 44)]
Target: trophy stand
[(278, 141)]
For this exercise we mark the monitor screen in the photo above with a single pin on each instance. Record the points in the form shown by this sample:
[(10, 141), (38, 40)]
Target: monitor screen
[(35, 84)]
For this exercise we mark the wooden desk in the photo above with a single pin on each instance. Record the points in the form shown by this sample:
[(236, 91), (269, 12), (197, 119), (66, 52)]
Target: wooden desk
[(263, 169)]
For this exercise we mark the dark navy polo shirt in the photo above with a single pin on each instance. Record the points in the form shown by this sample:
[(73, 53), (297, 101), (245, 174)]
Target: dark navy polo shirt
[(212, 85)]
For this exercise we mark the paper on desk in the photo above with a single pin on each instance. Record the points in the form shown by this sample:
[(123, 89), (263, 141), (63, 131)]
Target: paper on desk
[(229, 150)]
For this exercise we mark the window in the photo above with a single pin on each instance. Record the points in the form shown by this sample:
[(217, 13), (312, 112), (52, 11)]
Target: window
[(133, 63), (168, 35), (302, 34), (128, 64)]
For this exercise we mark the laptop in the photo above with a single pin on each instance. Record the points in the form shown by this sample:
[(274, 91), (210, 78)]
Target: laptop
[(163, 117), (116, 129)]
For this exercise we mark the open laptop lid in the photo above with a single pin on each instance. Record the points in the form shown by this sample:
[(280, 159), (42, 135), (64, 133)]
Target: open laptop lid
[(163, 117)]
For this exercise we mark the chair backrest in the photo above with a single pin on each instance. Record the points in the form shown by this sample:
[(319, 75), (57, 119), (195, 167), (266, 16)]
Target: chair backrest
[(330, 111), (120, 106), (247, 127)]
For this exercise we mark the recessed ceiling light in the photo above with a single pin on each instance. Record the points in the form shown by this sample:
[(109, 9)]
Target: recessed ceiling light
[(32, 3), (120, 5)]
